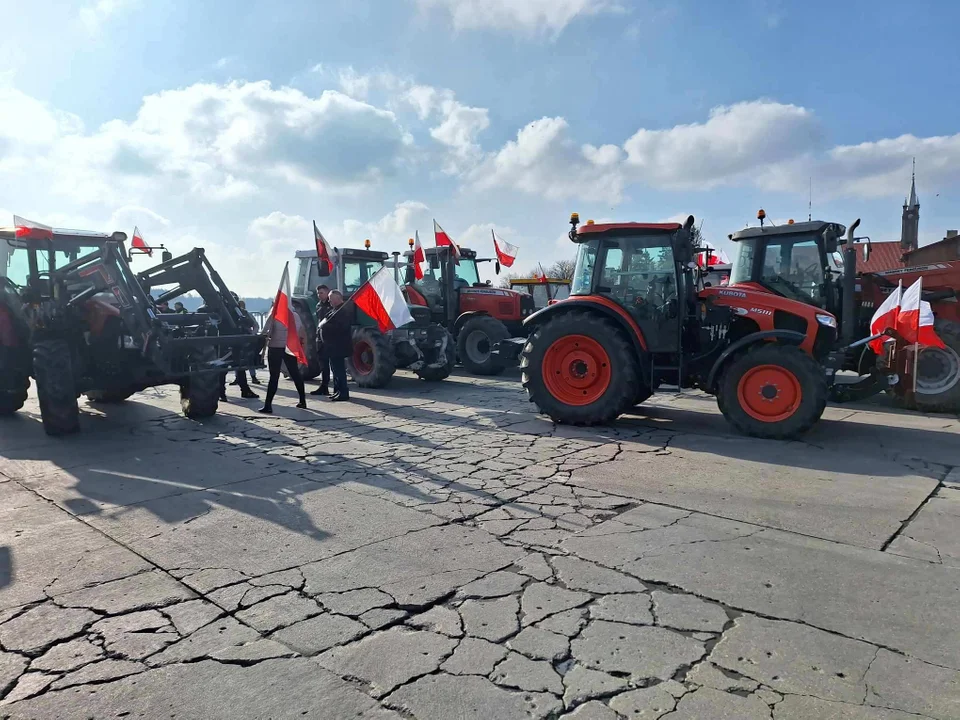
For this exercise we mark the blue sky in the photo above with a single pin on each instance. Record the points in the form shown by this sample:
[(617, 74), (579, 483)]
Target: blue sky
[(233, 125)]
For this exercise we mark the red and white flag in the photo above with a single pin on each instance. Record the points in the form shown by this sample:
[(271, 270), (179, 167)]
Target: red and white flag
[(443, 240), (712, 257), (325, 252), (885, 318), (139, 244), (31, 230), (542, 277), (915, 320), (418, 257), (284, 314), (506, 253), (381, 298)]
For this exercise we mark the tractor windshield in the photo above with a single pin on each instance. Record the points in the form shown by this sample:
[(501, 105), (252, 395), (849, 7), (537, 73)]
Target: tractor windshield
[(357, 272), (583, 273), (467, 272), (790, 265)]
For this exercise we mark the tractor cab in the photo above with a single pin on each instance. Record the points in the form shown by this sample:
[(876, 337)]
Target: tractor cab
[(799, 261)]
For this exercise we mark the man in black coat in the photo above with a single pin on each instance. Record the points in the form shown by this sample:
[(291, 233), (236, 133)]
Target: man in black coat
[(324, 310), (337, 334)]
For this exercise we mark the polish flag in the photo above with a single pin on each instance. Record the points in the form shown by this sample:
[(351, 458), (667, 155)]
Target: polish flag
[(325, 253), (443, 240), (418, 257), (31, 230), (381, 298), (542, 277), (885, 318), (915, 321), (284, 314), (718, 257), (138, 242), (506, 253)]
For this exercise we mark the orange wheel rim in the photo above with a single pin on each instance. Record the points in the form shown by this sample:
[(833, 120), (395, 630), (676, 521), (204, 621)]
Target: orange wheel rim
[(576, 370), (769, 393)]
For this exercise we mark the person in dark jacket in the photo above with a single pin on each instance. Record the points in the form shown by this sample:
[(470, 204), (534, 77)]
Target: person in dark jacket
[(324, 310), (337, 335)]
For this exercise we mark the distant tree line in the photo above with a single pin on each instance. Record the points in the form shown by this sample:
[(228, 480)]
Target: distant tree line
[(561, 269)]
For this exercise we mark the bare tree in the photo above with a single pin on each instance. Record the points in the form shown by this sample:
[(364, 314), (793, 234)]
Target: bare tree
[(506, 277), (562, 269)]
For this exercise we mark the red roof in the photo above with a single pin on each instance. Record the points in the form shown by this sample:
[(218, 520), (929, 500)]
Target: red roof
[(596, 227), (883, 256)]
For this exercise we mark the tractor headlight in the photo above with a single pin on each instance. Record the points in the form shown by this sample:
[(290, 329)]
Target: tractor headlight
[(828, 320)]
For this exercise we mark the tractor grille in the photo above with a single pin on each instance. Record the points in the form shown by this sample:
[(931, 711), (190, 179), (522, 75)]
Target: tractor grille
[(788, 321), (527, 305)]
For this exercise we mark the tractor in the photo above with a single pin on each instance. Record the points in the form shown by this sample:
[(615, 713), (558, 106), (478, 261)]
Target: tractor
[(479, 316), (82, 323), (424, 347), (639, 318), (799, 262), (545, 291)]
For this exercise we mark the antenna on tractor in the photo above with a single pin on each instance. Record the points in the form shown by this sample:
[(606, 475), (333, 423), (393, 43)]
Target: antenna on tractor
[(810, 202)]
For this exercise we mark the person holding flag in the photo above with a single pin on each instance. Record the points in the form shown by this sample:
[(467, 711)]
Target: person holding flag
[(284, 332)]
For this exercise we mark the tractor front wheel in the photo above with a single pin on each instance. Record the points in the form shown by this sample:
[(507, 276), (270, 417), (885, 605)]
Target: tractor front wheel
[(773, 391), (371, 363), (476, 341), (200, 393), (579, 369), (56, 388), (443, 363)]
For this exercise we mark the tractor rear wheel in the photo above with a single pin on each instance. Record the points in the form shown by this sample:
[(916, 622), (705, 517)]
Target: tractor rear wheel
[(773, 391), (56, 389), (938, 373), (200, 393), (14, 379), (371, 363), (476, 341), (579, 369), (441, 368)]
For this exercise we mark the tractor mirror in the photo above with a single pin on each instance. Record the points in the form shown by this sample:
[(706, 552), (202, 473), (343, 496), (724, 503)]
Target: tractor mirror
[(497, 267), (166, 256), (866, 252), (323, 269), (830, 242)]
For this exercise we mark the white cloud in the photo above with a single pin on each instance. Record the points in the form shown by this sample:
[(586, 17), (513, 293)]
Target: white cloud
[(524, 17), (390, 232), (735, 141), (544, 160), (95, 14)]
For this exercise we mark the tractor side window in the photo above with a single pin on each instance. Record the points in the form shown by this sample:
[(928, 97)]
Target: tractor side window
[(583, 273), (18, 267), (795, 270), (613, 271), (640, 274)]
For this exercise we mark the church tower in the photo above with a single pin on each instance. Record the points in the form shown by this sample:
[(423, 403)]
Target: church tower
[(910, 228)]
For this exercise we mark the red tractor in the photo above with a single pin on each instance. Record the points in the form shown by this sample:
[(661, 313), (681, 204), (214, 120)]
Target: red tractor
[(479, 316), (638, 318)]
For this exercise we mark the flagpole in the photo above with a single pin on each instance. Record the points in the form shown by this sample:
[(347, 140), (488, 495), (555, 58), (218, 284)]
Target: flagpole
[(916, 345)]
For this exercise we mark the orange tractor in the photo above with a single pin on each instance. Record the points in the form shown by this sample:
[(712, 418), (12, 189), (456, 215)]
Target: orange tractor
[(639, 317)]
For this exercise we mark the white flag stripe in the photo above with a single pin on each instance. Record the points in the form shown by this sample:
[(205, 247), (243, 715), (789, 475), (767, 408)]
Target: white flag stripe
[(392, 297), (505, 247)]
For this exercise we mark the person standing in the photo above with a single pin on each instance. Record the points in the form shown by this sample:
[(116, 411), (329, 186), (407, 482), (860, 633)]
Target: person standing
[(324, 310), (245, 392), (251, 327), (337, 334), (277, 356)]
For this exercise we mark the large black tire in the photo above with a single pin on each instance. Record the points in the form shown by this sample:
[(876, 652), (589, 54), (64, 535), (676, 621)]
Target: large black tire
[(773, 391), (441, 369), (200, 393), (579, 369), (14, 379), (372, 363), (476, 341), (12, 400), (56, 388), (938, 374), (108, 396)]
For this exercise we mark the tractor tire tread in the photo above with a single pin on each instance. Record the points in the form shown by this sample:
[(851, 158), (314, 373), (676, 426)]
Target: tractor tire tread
[(56, 389), (495, 331), (436, 373), (384, 365), (945, 402), (200, 393)]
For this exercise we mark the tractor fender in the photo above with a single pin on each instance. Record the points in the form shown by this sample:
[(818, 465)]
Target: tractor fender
[(463, 318), (788, 336), (609, 310)]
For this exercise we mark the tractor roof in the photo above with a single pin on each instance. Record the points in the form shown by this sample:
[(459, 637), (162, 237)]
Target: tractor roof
[(464, 252), (350, 253), (627, 227), (801, 228), (82, 237), (538, 281)]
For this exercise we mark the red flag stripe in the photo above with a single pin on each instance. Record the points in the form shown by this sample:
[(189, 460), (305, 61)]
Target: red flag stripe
[(283, 313)]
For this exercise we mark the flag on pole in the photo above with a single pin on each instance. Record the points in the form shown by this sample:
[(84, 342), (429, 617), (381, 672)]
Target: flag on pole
[(506, 253), (284, 314), (138, 242), (31, 230), (443, 240), (915, 320), (381, 298), (325, 252), (707, 258), (418, 257), (542, 277), (885, 318)]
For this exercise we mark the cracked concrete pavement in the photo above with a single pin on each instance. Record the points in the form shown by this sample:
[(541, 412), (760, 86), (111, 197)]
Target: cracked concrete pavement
[(437, 550)]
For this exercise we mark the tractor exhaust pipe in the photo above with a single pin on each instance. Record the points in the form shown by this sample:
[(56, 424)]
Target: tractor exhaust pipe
[(849, 307)]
